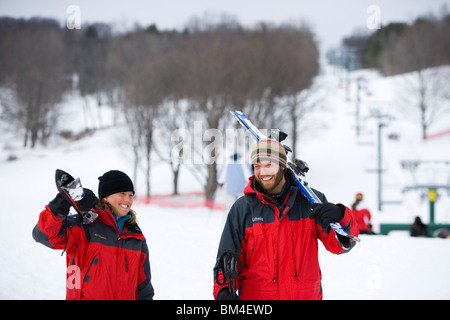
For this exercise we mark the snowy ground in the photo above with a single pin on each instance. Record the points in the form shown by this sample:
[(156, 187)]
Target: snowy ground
[(183, 241)]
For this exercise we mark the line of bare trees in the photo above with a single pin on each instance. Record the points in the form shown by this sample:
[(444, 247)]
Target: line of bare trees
[(423, 45), (158, 80), (414, 48), (32, 75)]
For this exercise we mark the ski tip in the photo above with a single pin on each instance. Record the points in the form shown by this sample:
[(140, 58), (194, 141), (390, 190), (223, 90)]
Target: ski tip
[(59, 173), (62, 177), (236, 113)]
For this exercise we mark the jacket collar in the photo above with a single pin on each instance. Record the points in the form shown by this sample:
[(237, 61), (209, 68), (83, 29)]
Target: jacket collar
[(254, 188), (129, 230)]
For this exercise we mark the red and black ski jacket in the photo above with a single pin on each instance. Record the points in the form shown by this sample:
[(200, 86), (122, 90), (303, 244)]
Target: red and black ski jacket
[(101, 263), (278, 245)]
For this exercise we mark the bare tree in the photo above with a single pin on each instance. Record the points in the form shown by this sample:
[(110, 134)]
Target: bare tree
[(281, 63), (254, 70), (147, 86), (176, 115), (37, 78), (209, 87), (301, 67), (416, 51)]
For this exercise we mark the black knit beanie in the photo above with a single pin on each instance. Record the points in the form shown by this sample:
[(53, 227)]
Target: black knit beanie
[(112, 182)]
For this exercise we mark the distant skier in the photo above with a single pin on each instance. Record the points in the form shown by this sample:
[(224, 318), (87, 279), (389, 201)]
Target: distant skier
[(108, 257), (362, 215), (418, 228), (234, 176), (269, 249)]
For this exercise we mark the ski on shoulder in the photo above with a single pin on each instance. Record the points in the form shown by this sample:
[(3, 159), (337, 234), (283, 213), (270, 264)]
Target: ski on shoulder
[(298, 167)]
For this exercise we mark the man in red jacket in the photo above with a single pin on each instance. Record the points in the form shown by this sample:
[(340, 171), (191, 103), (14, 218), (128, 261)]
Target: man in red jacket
[(272, 233)]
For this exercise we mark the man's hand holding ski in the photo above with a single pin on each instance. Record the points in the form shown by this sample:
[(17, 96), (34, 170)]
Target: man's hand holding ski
[(299, 168)]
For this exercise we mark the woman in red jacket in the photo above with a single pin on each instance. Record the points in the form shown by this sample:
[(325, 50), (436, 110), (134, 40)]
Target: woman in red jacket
[(272, 233), (106, 258)]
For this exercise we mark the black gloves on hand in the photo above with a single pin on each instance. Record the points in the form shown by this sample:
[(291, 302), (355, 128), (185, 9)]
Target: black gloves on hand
[(61, 206), (326, 213), (88, 202)]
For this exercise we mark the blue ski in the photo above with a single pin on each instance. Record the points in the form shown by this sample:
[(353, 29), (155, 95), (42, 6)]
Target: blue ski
[(302, 185)]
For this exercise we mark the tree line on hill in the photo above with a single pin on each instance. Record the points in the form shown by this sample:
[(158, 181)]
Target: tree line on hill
[(401, 47), (156, 78), (415, 48)]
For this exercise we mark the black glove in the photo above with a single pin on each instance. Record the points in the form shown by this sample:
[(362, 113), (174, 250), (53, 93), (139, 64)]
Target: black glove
[(326, 213), (88, 202), (224, 294), (59, 205)]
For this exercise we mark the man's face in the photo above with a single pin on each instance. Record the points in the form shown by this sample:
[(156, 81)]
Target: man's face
[(270, 176)]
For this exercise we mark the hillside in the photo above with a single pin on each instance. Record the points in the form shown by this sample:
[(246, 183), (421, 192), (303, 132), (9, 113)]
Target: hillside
[(183, 241)]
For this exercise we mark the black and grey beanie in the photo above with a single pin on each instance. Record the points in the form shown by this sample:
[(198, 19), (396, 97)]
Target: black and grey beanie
[(112, 182)]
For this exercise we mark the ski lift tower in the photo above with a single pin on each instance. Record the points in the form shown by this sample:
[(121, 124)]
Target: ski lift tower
[(382, 121), (431, 189)]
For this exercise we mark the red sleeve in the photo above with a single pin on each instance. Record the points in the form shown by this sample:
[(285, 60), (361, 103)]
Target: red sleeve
[(218, 287), (51, 229)]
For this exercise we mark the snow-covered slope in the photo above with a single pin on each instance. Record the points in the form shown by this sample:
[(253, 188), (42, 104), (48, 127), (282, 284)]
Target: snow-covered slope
[(183, 241)]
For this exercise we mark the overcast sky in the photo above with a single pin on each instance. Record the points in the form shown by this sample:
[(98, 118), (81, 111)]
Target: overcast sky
[(330, 19)]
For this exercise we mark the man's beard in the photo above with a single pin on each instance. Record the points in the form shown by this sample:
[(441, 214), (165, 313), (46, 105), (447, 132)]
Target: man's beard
[(271, 186)]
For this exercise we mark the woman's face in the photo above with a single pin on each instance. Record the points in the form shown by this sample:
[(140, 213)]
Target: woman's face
[(120, 202)]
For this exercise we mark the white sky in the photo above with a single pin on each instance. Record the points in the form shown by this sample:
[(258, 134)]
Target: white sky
[(330, 19)]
